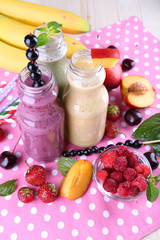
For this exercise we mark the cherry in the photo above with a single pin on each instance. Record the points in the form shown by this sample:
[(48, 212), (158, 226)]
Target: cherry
[(127, 64), (30, 40), (132, 117), (1, 134), (111, 46), (8, 159), (151, 156)]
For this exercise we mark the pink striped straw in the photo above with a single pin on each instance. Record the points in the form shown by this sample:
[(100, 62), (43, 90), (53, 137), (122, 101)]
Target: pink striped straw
[(8, 103), (8, 120)]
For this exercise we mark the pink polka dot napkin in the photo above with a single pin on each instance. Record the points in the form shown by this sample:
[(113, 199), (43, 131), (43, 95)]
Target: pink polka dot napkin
[(92, 216)]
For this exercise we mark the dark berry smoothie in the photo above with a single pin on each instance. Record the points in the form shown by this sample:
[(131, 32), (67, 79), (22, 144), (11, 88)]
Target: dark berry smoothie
[(41, 119)]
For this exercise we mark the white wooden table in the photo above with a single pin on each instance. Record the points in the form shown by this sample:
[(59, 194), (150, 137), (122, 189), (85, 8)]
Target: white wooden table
[(100, 13)]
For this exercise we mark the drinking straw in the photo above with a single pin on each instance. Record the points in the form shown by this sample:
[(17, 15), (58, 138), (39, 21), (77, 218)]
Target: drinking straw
[(10, 110), (14, 99), (8, 120)]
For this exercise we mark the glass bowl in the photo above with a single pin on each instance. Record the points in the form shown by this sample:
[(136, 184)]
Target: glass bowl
[(98, 166)]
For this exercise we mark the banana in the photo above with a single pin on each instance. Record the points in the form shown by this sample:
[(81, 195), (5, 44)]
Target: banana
[(35, 15), (13, 33), (11, 58)]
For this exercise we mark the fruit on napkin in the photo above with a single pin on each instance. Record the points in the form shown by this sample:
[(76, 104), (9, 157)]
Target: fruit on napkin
[(26, 194), (111, 130), (77, 180), (113, 76), (47, 192), (35, 14), (113, 112), (108, 56), (137, 91), (35, 175), (2, 134)]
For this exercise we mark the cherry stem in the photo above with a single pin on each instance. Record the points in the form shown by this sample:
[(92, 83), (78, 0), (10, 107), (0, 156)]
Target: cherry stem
[(59, 183), (16, 144), (150, 142), (98, 41), (27, 164), (136, 45)]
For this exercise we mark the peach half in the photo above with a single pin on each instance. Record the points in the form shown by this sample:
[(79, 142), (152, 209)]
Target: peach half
[(137, 91)]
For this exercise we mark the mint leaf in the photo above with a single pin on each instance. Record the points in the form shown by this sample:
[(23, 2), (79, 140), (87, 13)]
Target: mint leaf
[(7, 188), (156, 148), (43, 38), (64, 164), (54, 31), (149, 129), (152, 192), (54, 25), (43, 29)]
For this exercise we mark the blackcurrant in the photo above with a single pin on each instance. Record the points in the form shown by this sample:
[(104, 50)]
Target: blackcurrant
[(30, 40), (137, 144), (7, 160), (80, 152), (110, 145), (72, 153), (39, 83), (132, 117), (32, 54), (111, 46), (128, 143), (32, 66), (94, 149), (36, 75), (127, 64), (65, 154), (87, 151), (101, 149), (151, 156), (119, 143)]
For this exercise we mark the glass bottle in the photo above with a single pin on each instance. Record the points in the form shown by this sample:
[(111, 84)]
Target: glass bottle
[(53, 55), (40, 117), (85, 100)]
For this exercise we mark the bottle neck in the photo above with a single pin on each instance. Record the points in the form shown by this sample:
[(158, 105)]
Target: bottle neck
[(55, 49)]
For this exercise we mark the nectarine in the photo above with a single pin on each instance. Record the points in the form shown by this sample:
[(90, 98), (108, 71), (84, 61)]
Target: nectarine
[(137, 91), (113, 76)]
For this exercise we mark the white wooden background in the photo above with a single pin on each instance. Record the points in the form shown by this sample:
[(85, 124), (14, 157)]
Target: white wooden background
[(100, 13)]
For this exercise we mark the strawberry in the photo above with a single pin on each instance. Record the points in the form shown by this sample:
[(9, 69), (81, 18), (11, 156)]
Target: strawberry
[(47, 192), (113, 112), (111, 130), (35, 175), (26, 194)]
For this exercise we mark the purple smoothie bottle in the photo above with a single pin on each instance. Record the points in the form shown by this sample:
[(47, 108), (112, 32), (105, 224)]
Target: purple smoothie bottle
[(40, 115)]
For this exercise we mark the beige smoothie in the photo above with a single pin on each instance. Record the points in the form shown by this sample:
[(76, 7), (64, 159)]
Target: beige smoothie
[(85, 101)]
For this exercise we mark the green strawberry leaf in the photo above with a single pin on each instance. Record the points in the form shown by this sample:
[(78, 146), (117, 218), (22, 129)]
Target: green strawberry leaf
[(7, 188), (54, 25), (152, 192), (64, 164), (43, 29), (43, 38)]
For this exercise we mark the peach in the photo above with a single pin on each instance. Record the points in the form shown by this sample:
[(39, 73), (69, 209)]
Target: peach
[(137, 91), (77, 180)]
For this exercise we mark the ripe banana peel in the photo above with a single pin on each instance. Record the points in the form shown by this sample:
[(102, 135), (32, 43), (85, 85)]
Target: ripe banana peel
[(13, 33), (35, 15)]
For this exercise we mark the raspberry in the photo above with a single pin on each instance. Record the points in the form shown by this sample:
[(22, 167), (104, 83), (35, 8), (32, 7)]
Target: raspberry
[(143, 169), (133, 159), (129, 174), (125, 184), (117, 175), (110, 185), (122, 192), (120, 163), (111, 130), (102, 175), (133, 191), (113, 112), (122, 151), (140, 182), (109, 158)]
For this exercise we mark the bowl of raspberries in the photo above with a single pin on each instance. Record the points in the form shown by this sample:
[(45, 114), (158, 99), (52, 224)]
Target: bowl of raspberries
[(121, 172)]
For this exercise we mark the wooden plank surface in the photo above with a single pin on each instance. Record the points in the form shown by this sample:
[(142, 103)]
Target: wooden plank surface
[(100, 13)]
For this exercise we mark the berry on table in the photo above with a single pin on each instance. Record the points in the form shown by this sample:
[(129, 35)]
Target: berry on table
[(102, 175), (137, 143), (80, 152), (26, 194), (133, 159), (129, 174), (47, 193), (127, 64), (94, 149), (133, 191), (128, 143), (117, 175), (72, 153), (152, 158), (111, 46), (120, 163), (143, 169), (140, 182), (122, 151), (132, 117), (110, 185), (111, 130), (35, 175), (113, 112), (109, 158)]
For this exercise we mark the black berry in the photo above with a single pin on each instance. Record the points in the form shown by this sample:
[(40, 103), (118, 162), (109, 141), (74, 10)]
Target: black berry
[(101, 149), (119, 143), (32, 54), (72, 153), (80, 152), (127, 64), (32, 66), (151, 156), (110, 145), (30, 40), (36, 75), (87, 152), (137, 144), (39, 83), (94, 149), (128, 143), (133, 117), (65, 154)]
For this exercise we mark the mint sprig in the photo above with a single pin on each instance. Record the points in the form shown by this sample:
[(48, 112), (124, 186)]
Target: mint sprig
[(64, 164), (152, 191), (44, 37), (7, 188)]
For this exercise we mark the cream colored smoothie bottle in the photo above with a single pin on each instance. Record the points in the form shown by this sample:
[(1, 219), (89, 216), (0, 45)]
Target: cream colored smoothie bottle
[(85, 100)]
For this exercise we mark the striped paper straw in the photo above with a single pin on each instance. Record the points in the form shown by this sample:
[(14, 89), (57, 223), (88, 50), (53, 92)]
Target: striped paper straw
[(8, 88), (10, 110), (8, 120), (2, 86), (14, 99)]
